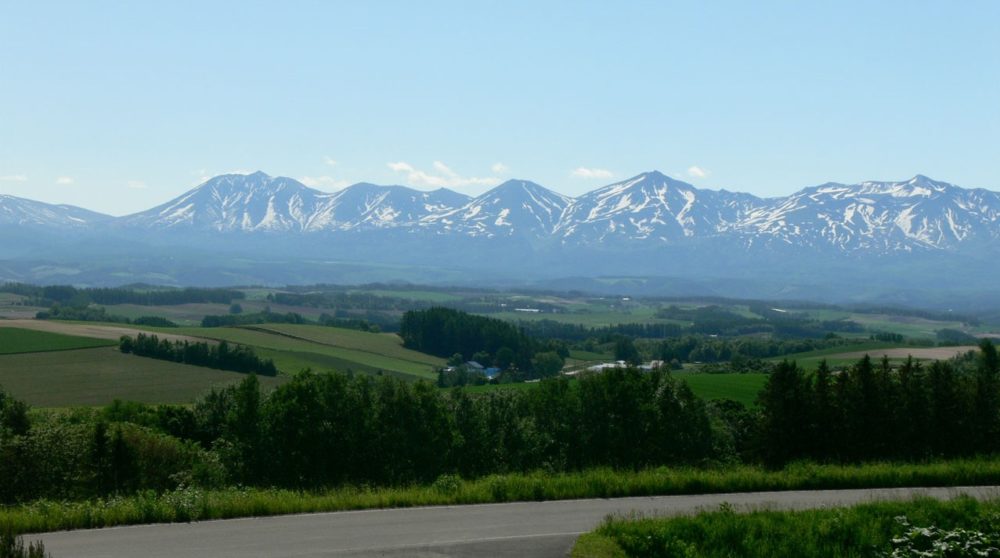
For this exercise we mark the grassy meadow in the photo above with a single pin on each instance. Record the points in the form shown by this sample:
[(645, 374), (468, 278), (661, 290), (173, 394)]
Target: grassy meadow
[(859, 530), (738, 387)]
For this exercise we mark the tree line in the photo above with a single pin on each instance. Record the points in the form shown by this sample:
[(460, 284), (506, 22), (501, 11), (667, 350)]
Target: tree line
[(876, 411), (99, 314), (153, 296), (444, 332), (221, 356)]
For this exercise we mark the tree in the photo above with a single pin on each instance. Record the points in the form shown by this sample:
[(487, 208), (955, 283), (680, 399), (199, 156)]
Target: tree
[(986, 411), (547, 364), (505, 357), (784, 421), (235, 308), (625, 350)]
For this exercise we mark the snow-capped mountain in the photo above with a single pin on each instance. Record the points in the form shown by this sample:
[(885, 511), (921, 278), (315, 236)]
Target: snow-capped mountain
[(878, 217), (647, 210), (652, 207), (236, 202), (261, 203), (516, 207), (911, 233), (23, 212), (369, 206)]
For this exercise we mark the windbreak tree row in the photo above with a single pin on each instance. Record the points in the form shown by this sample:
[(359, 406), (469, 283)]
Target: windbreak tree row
[(880, 411), (221, 356)]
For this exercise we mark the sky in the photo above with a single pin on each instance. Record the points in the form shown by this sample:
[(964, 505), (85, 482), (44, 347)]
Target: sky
[(119, 106)]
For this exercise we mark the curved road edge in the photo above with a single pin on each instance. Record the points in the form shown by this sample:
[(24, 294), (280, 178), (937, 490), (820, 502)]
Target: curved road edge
[(523, 529)]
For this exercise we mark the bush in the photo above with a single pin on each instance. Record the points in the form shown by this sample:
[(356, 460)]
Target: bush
[(13, 547)]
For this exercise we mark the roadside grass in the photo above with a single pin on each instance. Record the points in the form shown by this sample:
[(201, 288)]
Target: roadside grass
[(190, 504), (16, 340), (860, 530), (98, 376)]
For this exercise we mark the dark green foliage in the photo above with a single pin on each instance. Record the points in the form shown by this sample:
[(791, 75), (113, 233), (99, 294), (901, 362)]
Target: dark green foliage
[(13, 547), (80, 314), (625, 351), (547, 364), (13, 415), (694, 348), (443, 332), (864, 530), (887, 337), (265, 317), (457, 376), (153, 321), (875, 411), (223, 356), (954, 337)]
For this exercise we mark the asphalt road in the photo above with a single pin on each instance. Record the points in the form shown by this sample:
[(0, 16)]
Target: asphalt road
[(525, 529)]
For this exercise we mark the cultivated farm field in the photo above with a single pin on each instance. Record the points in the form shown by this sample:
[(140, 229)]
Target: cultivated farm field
[(17, 340), (98, 376), (296, 347)]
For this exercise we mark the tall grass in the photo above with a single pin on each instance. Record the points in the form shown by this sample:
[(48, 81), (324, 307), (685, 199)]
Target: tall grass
[(191, 504), (863, 530)]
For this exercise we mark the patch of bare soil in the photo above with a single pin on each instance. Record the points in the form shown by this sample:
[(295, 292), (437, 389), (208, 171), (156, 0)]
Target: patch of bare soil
[(928, 353)]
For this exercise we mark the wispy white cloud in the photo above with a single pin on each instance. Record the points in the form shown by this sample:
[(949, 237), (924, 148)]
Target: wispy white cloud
[(64, 180), (499, 168), (591, 173), (329, 161), (695, 171), (323, 182), (136, 184), (14, 178), (442, 176)]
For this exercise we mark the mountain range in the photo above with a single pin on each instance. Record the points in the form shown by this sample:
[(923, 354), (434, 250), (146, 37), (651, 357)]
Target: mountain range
[(650, 225)]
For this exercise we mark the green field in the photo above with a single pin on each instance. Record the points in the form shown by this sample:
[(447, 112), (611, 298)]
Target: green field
[(738, 387), (322, 349), (638, 315), (810, 360), (418, 295), (16, 340), (87, 377)]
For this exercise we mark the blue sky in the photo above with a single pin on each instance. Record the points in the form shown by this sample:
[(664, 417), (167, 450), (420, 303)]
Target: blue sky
[(120, 106)]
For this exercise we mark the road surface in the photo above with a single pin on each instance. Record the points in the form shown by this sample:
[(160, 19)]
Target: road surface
[(524, 529)]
